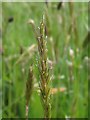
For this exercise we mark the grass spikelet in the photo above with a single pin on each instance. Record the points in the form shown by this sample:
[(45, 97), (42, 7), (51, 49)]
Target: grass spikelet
[(29, 87), (44, 72), (43, 69)]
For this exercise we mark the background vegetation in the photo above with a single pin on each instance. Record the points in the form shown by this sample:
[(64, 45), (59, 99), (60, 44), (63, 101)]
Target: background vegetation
[(66, 29)]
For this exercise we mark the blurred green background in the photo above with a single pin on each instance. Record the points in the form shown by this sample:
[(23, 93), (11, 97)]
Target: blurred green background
[(67, 44)]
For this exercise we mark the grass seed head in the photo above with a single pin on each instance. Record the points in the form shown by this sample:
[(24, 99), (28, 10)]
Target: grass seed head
[(29, 85)]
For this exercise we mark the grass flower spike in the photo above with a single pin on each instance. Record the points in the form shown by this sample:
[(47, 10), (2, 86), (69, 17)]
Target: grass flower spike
[(29, 87), (43, 68), (44, 72)]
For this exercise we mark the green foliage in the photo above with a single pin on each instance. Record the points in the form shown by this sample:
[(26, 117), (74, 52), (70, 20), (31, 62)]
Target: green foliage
[(66, 31)]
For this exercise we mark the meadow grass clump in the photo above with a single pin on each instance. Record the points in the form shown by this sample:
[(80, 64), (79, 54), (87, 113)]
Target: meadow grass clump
[(43, 68), (67, 30)]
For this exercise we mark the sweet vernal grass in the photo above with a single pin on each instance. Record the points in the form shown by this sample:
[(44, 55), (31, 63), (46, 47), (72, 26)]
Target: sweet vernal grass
[(44, 71), (43, 68), (29, 87), (59, 23)]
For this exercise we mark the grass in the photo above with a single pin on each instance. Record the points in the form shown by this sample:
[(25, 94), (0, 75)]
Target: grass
[(29, 88), (67, 59), (44, 70)]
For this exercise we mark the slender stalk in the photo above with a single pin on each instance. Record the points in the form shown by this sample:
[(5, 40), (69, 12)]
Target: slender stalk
[(73, 22)]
